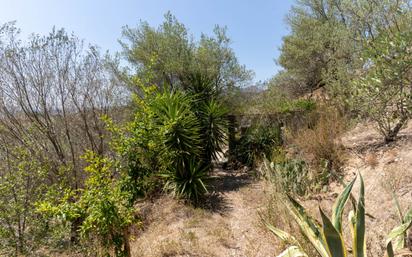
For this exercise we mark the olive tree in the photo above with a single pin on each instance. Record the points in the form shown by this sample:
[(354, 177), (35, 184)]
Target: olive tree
[(384, 90), (172, 57)]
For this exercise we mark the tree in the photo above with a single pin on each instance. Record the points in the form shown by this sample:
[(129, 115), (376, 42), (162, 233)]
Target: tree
[(306, 57), (330, 54), (170, 53), (384, 91), (52, 94)]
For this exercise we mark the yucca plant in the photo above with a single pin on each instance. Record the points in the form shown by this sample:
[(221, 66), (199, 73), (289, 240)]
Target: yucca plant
[(188, 181), (183, 145), (327, 238), (213, 124), (178, 125), (210, 112)]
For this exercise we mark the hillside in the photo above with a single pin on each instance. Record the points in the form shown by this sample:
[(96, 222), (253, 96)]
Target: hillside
[(230, 225)]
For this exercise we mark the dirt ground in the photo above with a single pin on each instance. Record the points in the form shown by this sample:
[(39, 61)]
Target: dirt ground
[(227, 225)]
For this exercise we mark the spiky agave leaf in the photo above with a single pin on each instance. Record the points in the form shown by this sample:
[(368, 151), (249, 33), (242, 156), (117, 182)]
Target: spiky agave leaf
[(389, 250), (282, 235), (335, 243), (308, 226), (339, 206), (398, 234), (293, 251), (359, 242)]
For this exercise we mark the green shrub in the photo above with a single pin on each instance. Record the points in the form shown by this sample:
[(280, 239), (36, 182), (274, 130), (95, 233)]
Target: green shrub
[(258, 141), (102, 205), (23, 182), (292, 175), (379, 93), (296, 105)]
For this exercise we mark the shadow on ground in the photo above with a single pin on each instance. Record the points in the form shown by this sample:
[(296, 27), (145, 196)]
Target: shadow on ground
[(223, 181), (376, 144)]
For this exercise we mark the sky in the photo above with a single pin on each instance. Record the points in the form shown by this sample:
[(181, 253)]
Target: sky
[(255, 27)]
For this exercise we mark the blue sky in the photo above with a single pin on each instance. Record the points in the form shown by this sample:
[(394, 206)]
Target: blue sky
[(255, 27)]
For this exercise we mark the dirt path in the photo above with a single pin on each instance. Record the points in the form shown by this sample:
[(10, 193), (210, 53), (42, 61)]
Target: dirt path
[(228, 224)]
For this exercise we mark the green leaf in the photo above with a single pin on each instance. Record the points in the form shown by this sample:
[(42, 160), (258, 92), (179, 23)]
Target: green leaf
[(308, 226), (293, 251), (408, 216), (359, 245), (332, 237), (389, 250), (282, 235), (398, 235), (339, 205)]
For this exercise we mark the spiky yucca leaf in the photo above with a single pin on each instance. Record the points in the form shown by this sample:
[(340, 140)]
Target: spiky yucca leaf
[(212, 115), (178, 123), (189, 183)]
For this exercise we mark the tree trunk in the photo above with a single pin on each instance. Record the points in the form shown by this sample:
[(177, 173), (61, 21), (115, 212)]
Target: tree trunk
[(391, 136), (126, 237), (74, 230)]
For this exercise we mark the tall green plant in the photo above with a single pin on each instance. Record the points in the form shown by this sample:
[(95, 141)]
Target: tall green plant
[(184, 170), (213, 123), (178, 125)]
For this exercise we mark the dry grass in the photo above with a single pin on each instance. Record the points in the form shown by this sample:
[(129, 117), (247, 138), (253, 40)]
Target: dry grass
[(278, 215), (233, 229), (320, 144)]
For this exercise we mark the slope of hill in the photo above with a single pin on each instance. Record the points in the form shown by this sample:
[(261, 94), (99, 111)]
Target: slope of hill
[(230, 224)]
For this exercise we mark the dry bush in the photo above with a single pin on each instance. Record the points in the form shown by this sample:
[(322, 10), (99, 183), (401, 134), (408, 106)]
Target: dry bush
[(319, 142)]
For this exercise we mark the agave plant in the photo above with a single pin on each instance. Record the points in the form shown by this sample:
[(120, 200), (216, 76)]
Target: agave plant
[(327, 238)]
